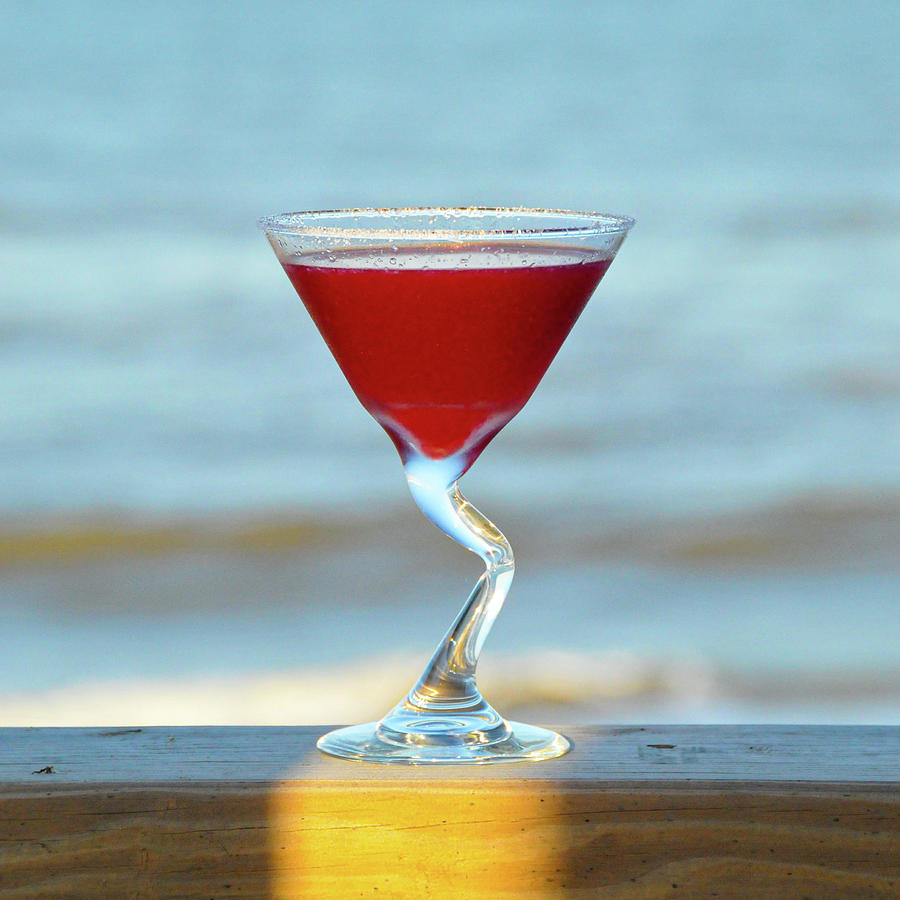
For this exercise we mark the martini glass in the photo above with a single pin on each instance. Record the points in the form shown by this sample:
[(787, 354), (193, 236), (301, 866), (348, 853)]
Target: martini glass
[(444, 321)]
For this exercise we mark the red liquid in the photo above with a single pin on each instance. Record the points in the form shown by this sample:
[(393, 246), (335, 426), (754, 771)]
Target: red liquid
[(442, 355)]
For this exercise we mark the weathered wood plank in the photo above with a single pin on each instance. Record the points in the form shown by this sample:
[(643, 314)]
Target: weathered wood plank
[(736, 753), (738, 812)]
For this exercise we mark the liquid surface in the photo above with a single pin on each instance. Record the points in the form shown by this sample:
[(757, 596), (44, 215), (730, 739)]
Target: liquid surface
[(443, 345)]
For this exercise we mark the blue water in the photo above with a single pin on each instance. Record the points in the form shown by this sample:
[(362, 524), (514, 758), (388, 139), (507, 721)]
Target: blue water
[(153, 355), (743, 351)]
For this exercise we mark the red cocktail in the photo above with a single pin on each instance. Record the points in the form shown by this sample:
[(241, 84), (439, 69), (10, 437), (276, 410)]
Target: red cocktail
[(415, 331)]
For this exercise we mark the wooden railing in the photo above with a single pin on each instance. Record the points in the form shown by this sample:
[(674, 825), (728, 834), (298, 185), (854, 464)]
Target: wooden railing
[(683, 811)]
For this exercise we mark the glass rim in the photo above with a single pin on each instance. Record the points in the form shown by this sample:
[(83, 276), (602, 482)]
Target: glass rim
[(304, 223)]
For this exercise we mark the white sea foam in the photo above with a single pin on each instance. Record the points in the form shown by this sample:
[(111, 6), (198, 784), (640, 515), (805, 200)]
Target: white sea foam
[(552, 685)]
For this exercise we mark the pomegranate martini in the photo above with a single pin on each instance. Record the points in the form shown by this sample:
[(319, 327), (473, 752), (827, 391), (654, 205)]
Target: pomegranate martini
[(443, 322)]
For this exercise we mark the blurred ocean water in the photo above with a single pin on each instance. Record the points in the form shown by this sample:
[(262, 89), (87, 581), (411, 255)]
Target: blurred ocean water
[(736, 378)]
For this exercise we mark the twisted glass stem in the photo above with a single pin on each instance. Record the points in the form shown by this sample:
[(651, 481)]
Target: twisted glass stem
[(448, 682)]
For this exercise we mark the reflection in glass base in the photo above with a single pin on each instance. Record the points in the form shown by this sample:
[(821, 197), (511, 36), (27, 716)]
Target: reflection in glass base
[(454, 743)]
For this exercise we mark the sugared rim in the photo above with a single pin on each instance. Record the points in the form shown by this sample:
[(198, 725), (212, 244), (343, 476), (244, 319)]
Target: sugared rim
[(305, 223)]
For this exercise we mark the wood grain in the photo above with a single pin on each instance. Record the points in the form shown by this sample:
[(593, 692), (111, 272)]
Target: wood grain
[(256, 812)]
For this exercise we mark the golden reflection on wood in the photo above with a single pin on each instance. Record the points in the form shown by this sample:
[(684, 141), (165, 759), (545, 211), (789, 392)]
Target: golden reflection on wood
[(546, 841), (631, 813)]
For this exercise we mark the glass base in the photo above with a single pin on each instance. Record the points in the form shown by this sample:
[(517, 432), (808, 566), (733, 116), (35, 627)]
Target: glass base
[(451, 743)]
